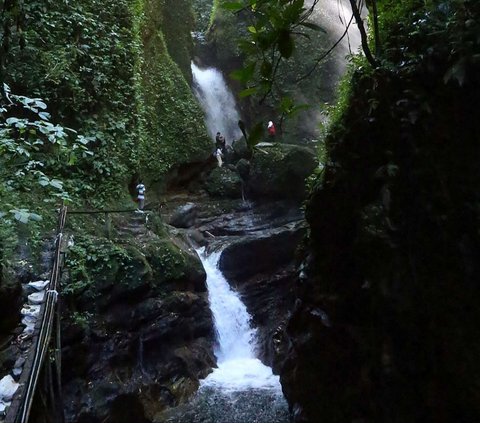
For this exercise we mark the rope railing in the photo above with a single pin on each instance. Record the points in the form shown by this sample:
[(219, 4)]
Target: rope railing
[(46, 326), (48, 323)]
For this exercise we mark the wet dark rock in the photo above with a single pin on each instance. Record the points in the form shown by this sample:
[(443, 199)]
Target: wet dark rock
[(197, 237), (240, 149), (144, 346), (249, 218), (184, 216), (10, 301), (176, 264), (265, 251), (229, 156), (243, 169), (8, 357), (269, 299)]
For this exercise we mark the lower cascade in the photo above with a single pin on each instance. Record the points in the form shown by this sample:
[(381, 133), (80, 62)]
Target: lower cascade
[(241, 389)]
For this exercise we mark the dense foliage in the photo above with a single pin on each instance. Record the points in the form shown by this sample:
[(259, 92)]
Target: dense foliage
[(116, 72), (390, 284), (270, 85)]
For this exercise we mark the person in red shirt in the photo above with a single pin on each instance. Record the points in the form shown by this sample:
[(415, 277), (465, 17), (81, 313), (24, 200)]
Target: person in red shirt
[(271, 129)]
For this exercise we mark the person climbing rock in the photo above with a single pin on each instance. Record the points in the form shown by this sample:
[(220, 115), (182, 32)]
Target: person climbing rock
[(141, 195), (220, 142), (271, 129)]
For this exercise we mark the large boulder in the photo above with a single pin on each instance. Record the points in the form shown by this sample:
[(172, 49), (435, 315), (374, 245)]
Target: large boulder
[(269, 298), (240, 148), (148, 349), (264, 252), (184, 216), (279, 171), (224, 183)]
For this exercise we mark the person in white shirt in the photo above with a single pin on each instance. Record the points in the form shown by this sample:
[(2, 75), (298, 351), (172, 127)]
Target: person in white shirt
[(219, 155), (141, 195)]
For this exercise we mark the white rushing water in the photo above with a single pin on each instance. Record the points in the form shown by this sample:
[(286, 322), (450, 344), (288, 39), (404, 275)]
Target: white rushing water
[(238, 368), (218, 103)]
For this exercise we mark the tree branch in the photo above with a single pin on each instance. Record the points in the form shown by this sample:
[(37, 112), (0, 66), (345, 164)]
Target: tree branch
[(363, 34)]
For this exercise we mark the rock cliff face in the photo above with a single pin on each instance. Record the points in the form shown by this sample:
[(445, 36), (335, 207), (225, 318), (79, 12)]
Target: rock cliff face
[(139, 337), (384, 328)]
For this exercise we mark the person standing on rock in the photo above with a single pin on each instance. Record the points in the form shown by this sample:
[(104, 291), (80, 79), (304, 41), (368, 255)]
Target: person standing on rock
[(140, 195), (217, 139), (271, 130), (220, 142)]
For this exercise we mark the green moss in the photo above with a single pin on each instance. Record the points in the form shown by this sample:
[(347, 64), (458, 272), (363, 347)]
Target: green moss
[(178, 22), (169, 262), (118, 72), (174, 127), (224, 183), (96, 264)]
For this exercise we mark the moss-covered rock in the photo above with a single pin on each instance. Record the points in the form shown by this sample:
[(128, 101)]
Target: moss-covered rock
[(105, 272), (224, 183), (280, 170), (173, 132), (243, 169), (134, 308), (241, 150), (385, 326), (174, 265)]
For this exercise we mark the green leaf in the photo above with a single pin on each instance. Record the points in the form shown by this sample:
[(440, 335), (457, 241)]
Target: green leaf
[(286, 104), (233, 6), (12, 120), (40, 104), (244, 75), (248, 92), (44, 182), (21, 215), (285, 44), (293, 11), (56, 183), (266, 69), (44, 115), (35, 217)]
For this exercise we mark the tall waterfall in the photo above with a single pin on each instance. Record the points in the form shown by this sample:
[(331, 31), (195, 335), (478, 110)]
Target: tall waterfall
[(238, 368), (217, 101)]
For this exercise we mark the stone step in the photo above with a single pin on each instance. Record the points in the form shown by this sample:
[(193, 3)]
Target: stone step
[(38, 285), (8, 387), (36, 298)]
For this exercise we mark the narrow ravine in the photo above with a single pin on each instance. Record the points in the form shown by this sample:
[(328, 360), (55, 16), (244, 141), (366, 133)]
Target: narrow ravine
[(241, 389)]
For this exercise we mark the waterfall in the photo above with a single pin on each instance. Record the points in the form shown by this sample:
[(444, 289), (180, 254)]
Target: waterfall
[(218, 103), (238, 368)]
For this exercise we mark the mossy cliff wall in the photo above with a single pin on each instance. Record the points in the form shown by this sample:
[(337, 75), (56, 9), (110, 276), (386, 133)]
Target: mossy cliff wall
[(385, 328), (173, 131), (116, 71)]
